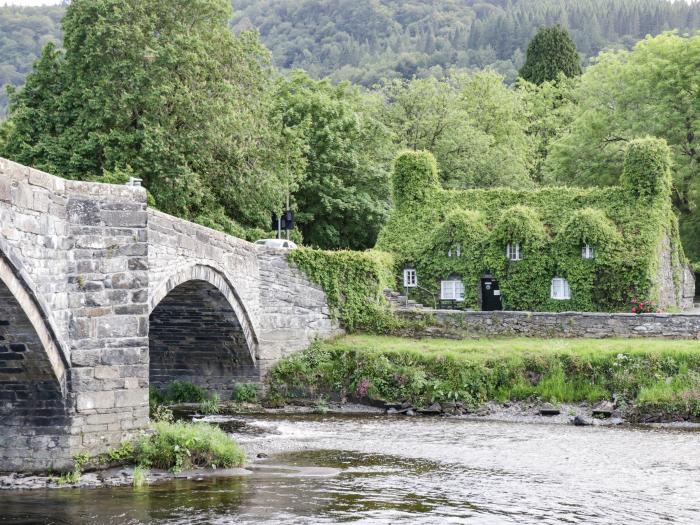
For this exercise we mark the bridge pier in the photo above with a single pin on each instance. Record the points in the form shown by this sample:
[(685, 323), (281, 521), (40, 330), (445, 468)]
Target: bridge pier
[(92, 281)]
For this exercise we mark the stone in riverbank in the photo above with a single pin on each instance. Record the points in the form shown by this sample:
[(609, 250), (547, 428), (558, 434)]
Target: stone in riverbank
[(549, 410), (604, 409)]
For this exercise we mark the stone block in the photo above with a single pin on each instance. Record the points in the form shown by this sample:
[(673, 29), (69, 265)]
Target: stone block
[(130, 219), (86, 401), (106, 372), (5, 189), (130, 398), (117, 326), (84, 211)]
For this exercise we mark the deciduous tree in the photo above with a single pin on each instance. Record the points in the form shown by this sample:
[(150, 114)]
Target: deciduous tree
[(162, 89)]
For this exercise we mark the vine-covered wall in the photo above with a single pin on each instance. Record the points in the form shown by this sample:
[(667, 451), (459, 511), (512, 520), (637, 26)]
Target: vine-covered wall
[(465, 233), (354, 283)]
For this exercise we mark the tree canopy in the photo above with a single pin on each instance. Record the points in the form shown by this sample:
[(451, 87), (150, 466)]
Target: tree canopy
[(473, 124), (343, 194), (366, 41), (551, 53), (181, 101), (651, 90)]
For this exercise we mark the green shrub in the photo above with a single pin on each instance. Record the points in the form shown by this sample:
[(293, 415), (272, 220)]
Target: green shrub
[(140, 476), (122, 454), (353, 283), (181, 446), (211, 405), (647, 168), (162, 413), (415, 175), (245, 392), (520, 224), (183, 392)]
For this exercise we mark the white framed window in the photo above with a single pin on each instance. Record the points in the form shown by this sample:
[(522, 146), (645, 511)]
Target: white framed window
[(513, 252), (560, 289), (410, 278), (455, 251), (452, 290), (587, 251)]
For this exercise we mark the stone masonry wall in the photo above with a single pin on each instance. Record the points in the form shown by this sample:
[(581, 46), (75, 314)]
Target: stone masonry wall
[(463, 324), (279, 309), (107, 284), (82, 267), (33, 409), (74, 255), (196, 337)]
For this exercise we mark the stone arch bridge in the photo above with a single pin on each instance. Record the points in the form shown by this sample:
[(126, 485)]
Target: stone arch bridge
[(101, 297)]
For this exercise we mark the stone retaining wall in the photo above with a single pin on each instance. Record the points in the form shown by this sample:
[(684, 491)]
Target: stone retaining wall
[(463, 324)]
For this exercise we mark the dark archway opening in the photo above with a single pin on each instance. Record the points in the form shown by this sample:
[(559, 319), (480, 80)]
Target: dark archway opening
[(195, 336), (34, 422)]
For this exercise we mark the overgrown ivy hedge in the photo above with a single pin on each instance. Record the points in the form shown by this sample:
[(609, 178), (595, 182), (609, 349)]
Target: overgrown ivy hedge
[(625, 225), (353, 283)]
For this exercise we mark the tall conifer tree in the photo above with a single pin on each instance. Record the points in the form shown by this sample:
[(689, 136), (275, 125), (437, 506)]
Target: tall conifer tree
[(550, 53)]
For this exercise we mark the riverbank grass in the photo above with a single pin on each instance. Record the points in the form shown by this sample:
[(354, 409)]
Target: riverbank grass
[(648, 374), (183, 446)]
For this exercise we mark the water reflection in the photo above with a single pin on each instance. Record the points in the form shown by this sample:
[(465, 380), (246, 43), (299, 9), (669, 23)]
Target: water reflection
[(412, 471)]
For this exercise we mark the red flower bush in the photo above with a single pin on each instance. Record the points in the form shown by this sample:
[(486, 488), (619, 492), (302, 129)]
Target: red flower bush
[(644, 307)]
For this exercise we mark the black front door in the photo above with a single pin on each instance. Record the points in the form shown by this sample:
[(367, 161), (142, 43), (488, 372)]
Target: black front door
[(490, 295)]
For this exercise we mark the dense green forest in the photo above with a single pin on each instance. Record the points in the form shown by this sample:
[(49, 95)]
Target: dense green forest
[(24, 31), (365, 41), (223, 133)]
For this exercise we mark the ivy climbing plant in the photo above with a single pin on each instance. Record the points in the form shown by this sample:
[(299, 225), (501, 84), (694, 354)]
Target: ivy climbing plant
[(354, 283), (443, 233)]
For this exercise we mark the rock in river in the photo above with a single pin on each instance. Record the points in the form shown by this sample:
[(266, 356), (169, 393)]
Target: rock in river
[(580, 421)]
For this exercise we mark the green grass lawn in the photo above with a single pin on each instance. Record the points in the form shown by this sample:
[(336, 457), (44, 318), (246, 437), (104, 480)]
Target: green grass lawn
[(644, 373), (475, 349)]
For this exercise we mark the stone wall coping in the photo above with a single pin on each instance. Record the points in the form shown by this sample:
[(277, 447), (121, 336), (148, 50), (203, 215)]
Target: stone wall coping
[(34, 177), (557, 314), (192, 228)]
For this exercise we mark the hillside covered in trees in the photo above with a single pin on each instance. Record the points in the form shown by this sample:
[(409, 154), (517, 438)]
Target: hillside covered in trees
[(23, 32), (365, 41), (223, 133)]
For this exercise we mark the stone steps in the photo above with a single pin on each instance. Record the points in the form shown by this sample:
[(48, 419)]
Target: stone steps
[(398, 301)]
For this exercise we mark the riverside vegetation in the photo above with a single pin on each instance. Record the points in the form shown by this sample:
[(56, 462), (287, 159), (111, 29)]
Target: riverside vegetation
[(648, 379), (171, 445)]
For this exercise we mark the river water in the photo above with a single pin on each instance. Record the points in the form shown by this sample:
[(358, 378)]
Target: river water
[(388, 470)]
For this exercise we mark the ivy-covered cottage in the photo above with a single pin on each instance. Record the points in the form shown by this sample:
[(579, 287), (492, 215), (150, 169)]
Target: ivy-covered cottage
[(551, 249)]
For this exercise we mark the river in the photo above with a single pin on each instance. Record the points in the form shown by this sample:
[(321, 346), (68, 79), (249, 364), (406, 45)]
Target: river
[(388, 470)]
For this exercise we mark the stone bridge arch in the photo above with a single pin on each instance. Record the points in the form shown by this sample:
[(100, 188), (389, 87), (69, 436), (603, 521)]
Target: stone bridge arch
[(34, 405), (200, 331)]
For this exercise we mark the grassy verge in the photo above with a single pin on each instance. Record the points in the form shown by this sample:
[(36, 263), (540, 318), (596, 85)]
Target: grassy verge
[(182, 446), (173, 446), (644, 375)]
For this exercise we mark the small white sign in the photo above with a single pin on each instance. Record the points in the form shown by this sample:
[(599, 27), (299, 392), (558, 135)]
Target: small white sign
[(496, 292)]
